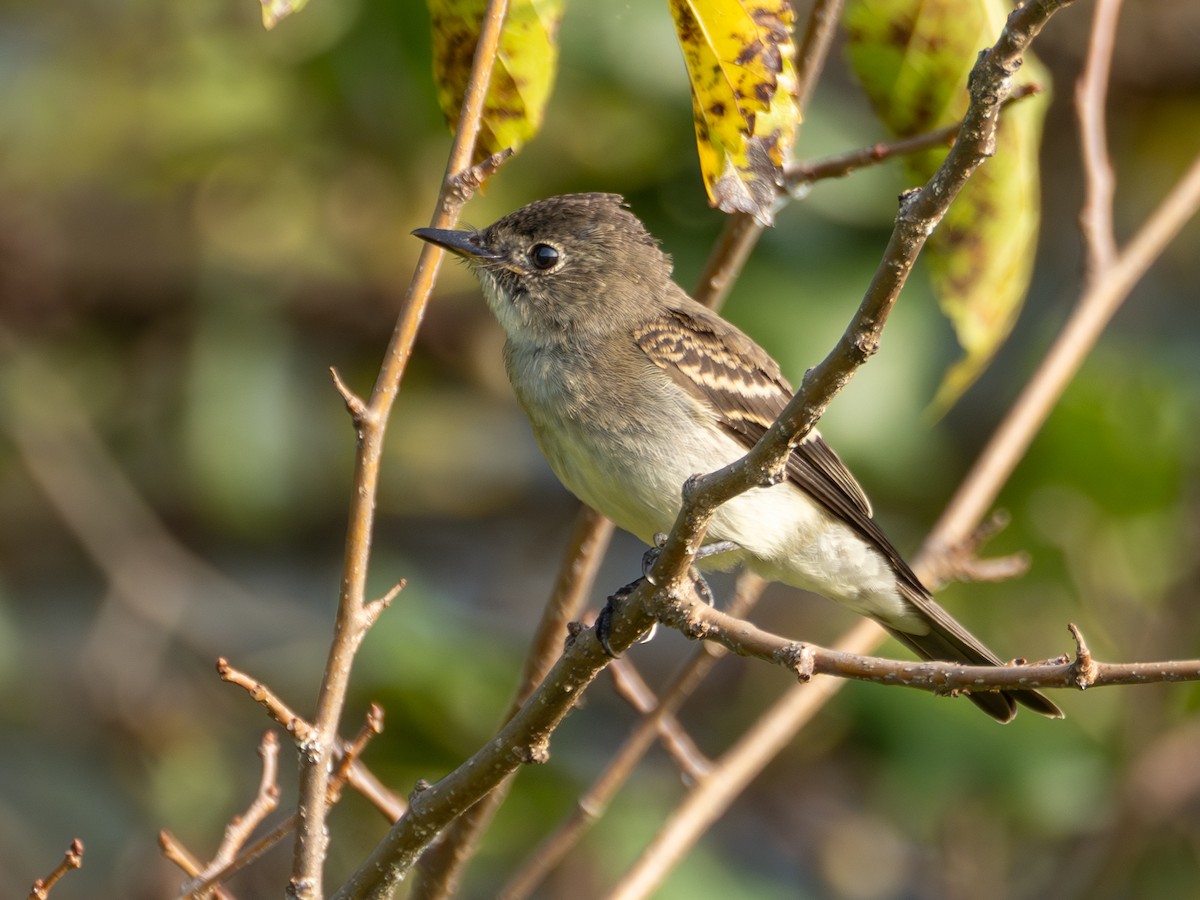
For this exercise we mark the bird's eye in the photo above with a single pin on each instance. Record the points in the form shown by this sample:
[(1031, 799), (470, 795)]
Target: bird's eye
[(543, 256)]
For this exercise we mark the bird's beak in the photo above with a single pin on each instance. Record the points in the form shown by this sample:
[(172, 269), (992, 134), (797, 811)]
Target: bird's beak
[(464, 243)]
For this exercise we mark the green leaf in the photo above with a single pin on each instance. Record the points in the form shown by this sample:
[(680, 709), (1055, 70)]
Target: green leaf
[(913, 57), (741, 63), (521, 79)]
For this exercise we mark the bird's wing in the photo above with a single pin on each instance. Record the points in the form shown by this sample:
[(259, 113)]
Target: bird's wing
[(743, 387)]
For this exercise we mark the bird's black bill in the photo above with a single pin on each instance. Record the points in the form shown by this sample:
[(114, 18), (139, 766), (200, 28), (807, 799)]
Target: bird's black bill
[(464, 243)]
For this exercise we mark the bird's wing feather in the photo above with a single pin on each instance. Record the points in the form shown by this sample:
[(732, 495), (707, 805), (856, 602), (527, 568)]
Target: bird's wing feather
[(739, 381), (742, 385)]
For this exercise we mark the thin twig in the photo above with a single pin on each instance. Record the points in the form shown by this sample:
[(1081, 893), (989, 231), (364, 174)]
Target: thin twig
[(1092, 313), (1096, 216), (595, 800), (524, 740), (630, 686), (353, 615), (798, 175), (72, 859), (206, 879), (348, 765), (757, 746), (343, 774), (807, 660), (266, 799)]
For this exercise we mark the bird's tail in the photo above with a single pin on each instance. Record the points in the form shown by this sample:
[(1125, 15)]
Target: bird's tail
[(948, 641)]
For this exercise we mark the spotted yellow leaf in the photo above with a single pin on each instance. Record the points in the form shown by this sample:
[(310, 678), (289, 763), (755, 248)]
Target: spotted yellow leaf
[(740, 61), (913, 57), (523, 75)]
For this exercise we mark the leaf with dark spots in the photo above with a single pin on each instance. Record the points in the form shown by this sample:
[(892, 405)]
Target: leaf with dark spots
[(523, 75), (740, 61), (913, 57)]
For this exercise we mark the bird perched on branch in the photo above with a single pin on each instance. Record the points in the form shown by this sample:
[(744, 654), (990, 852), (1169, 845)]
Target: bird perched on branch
[(632, 387)]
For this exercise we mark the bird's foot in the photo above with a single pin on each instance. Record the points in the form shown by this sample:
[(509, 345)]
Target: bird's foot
[(604, 621), (650, 557)]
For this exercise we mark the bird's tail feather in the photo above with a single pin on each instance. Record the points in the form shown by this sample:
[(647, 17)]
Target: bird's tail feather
[(948, 641)]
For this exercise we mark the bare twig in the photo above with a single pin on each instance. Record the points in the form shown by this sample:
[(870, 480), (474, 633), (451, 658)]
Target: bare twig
[(354, 615), (629, 684), (962, 562), (216, 872), (372, 725), (1096, 217), (819, 31), (524, 740), (266, 799), (175, 852), (1092, 313), (593, 803), (206, 878), (349, 766), (799, 175), (72, 859), (283, 714), (697, 620), (711, 796)]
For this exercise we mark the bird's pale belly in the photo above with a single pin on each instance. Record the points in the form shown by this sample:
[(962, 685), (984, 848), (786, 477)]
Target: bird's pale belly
[(783, 534)]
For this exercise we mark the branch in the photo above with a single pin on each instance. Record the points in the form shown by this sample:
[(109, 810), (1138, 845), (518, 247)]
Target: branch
[(72, 859), (1096, 219), (231, 858), (440, 869), (798, 175), (593, 803), (1102, 298), (525, 739), (354, 615), (205, 879), (698, 621)]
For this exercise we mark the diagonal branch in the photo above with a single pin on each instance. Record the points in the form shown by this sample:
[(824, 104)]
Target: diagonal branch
[(354, 615), (1096, 218)]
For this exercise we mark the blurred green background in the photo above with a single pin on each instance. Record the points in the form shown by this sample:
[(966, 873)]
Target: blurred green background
[(198, 219)]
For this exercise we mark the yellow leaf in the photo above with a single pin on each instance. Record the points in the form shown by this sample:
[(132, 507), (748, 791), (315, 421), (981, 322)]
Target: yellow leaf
[(523, 75), (740, 61), (275, 11), (913, 57)]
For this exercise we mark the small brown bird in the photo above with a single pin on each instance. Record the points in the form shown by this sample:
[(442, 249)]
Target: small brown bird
[(632, 387)]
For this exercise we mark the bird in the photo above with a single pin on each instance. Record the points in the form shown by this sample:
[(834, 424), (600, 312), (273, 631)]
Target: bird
[(632, 387)]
